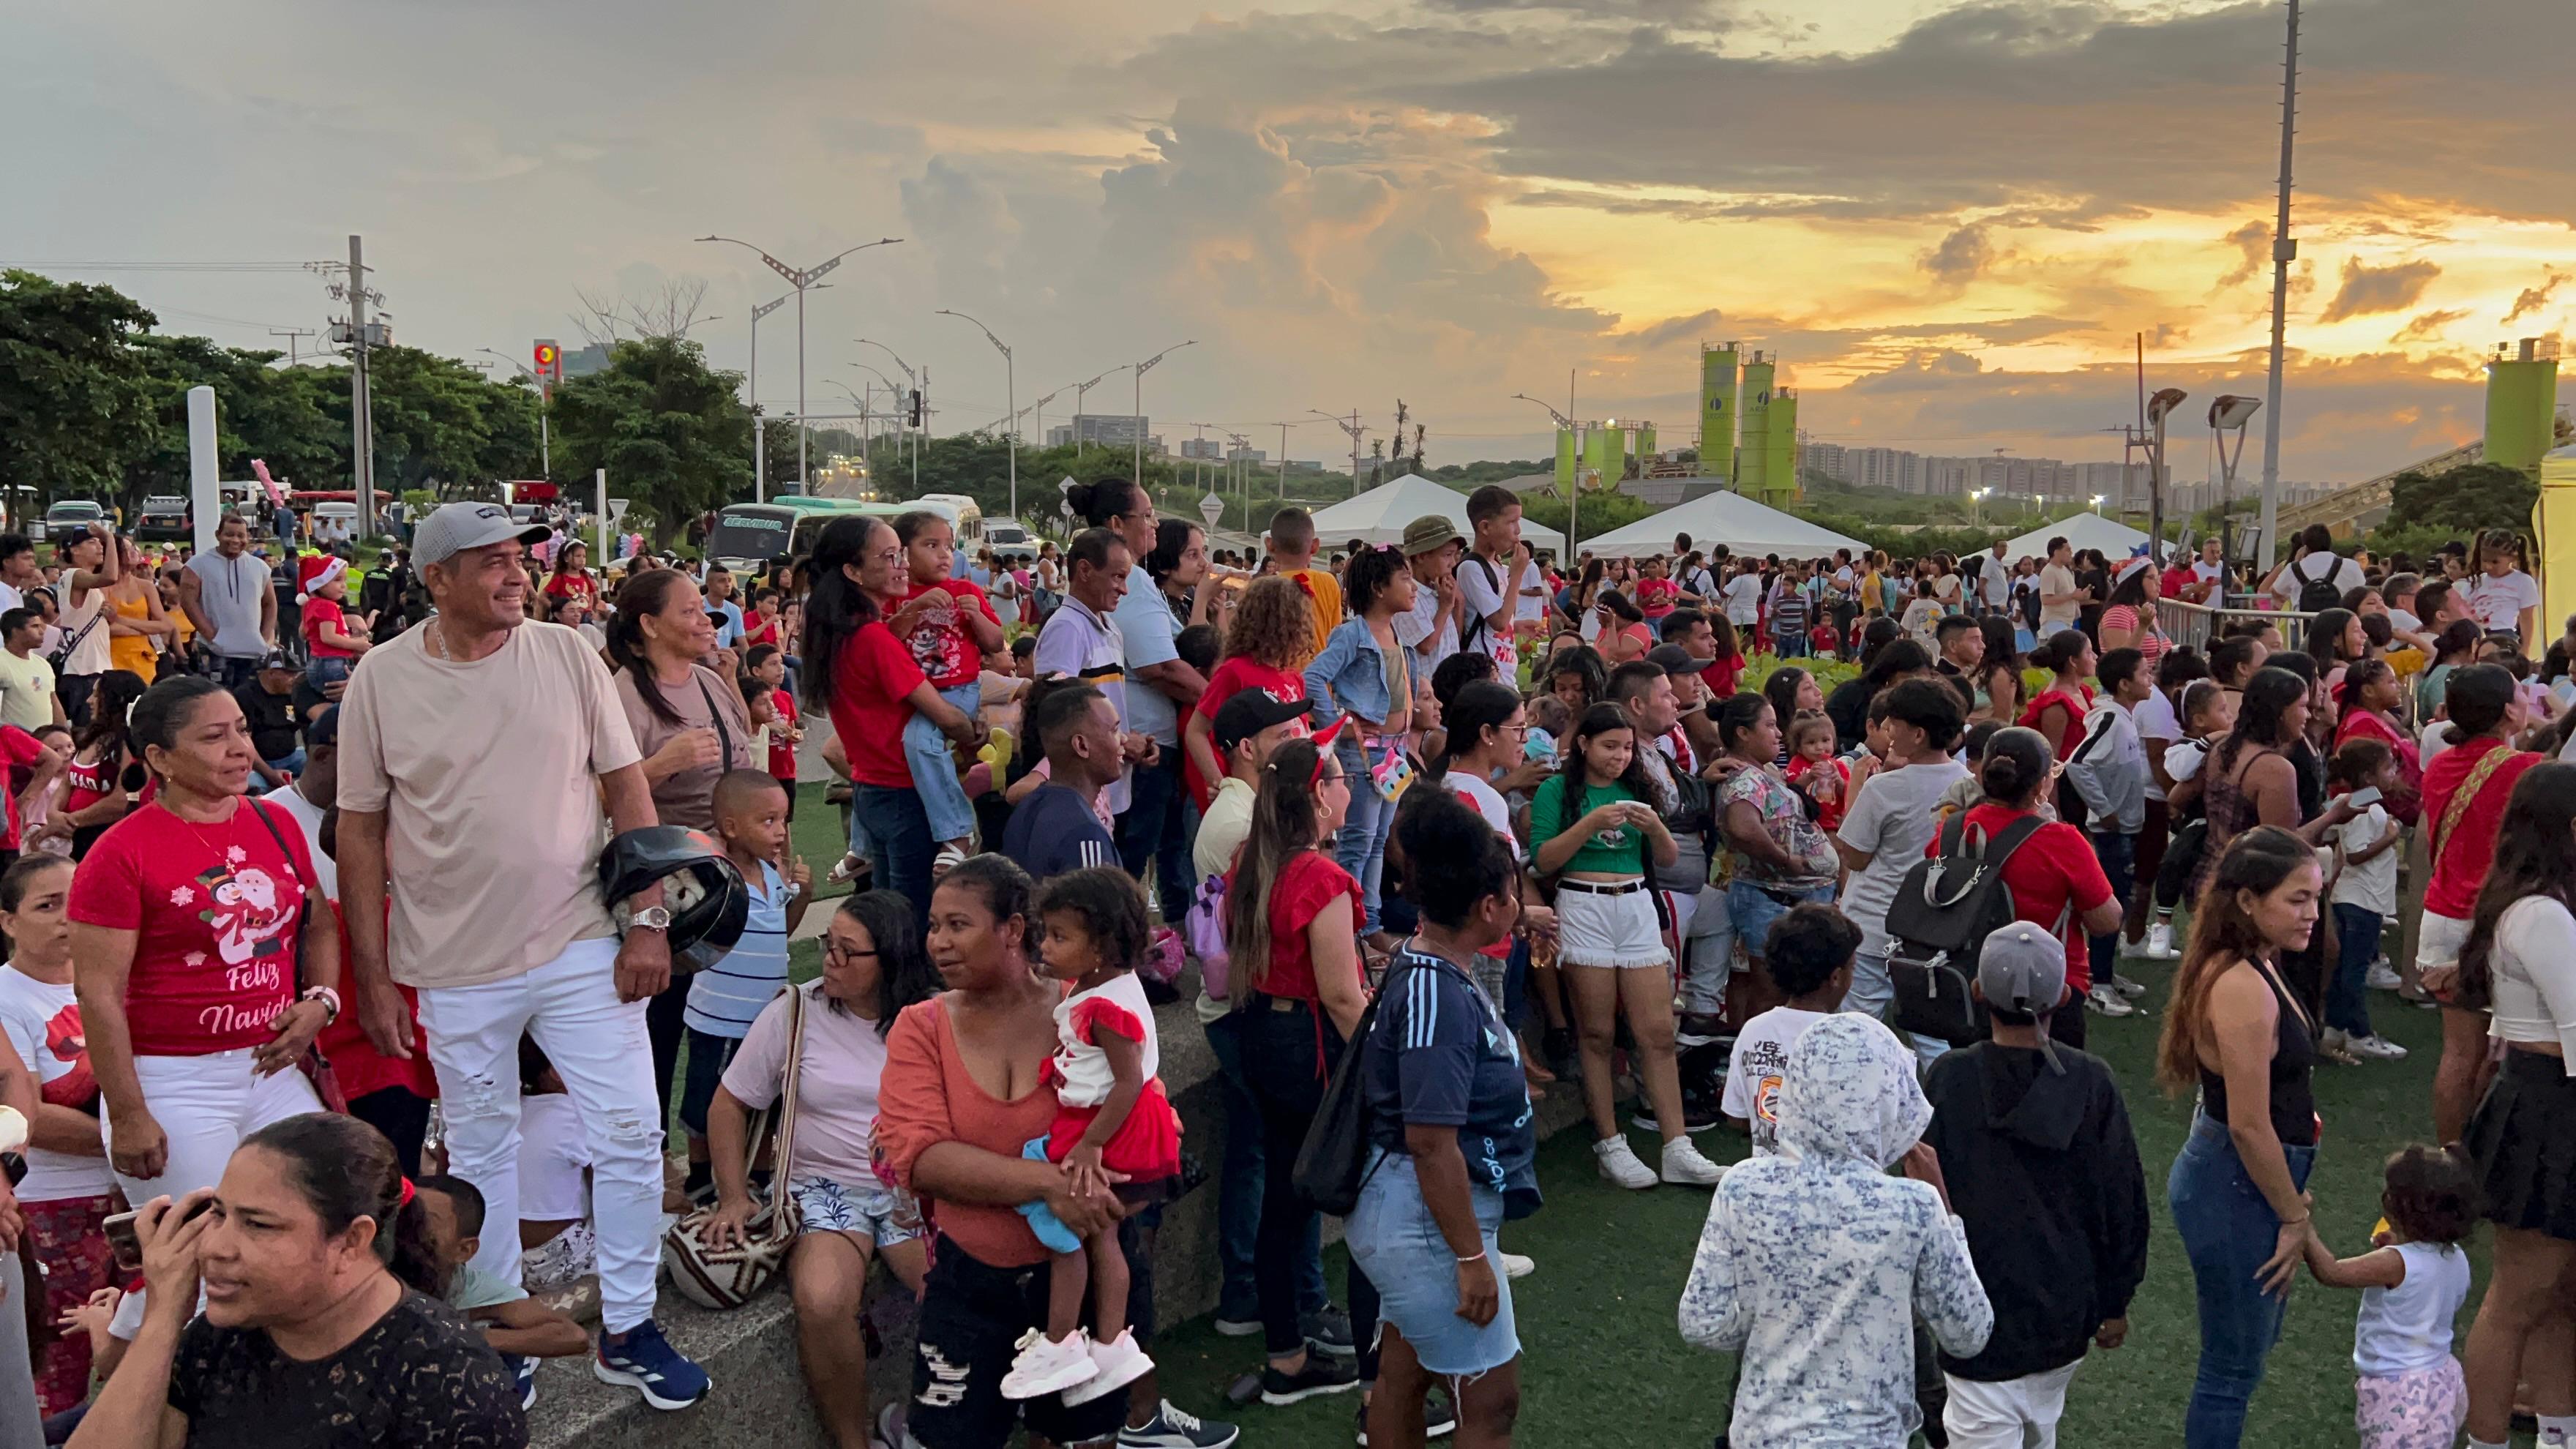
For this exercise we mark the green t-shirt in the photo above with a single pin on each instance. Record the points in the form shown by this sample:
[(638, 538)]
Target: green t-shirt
[(1620, 850), (472, 1288)]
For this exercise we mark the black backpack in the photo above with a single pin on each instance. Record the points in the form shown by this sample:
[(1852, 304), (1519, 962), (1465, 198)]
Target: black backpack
[(2318, 595), (1939, 922)]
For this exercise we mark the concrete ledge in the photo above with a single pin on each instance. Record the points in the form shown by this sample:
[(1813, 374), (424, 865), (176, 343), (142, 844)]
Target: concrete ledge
[(759, 1395)]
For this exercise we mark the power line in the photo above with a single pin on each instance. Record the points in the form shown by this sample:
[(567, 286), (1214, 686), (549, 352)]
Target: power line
[(156, 266)]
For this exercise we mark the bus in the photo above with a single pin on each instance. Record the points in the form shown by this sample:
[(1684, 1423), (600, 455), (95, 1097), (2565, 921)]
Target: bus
[(747, 536)]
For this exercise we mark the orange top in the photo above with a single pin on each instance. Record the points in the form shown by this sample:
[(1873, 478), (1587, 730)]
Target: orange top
[(928, 1096)]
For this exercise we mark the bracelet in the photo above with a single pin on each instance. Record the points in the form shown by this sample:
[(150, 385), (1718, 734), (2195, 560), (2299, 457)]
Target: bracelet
[(329, 998), (1480, 1257)]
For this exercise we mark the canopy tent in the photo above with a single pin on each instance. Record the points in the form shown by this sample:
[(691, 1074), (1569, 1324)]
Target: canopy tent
[(2081, 531), (1743, 525), (1380, 514)]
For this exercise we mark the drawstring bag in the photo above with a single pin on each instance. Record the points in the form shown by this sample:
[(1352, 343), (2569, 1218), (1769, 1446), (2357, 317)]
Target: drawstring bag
[(730, 1276)]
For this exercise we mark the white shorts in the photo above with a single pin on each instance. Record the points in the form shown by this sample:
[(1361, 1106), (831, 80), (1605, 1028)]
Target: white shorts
[(2438, 941), (1599, 930)]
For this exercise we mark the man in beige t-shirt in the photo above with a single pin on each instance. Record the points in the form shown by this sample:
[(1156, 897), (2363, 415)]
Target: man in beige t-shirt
[(2060, 602), (475, 753), (27, 696)]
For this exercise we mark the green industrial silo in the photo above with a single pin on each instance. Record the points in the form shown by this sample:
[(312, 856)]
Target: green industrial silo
[(1780, 464), (1565, 462), (1753, 428), (1645, 447), (1717, 366), (2522, 405), (1605, 454)]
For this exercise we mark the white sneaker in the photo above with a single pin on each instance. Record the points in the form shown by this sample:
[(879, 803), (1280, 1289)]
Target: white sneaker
[(1516, 1265), (1045, 1365), (2384, 977), (2126, 987), (2376, 1048), (2106, 999), (1618, 1162), (1119, 1362), (1683, 1164), (2160, 941)]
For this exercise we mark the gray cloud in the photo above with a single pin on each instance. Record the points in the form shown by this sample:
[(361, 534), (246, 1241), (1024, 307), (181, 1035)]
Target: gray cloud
[(2427, 326), (2532, 299), (2367, 289), (1962, 257), (2253, 243)]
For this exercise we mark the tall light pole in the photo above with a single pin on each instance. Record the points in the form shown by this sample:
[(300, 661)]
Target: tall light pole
[(803, 280), (1037, 416), (1350, 425), (900, 419), (895, 414), (1079, 389), (760, 425), (2229, 414), (545, 443), (1010, 400), (1142, 368), (2285, 250), (1574, 491)]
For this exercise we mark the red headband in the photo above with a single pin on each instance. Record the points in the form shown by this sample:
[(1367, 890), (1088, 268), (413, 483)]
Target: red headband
[(407, 1193)]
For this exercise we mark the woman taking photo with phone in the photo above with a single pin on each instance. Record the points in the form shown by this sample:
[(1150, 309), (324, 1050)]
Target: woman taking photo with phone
[(1594, 829)]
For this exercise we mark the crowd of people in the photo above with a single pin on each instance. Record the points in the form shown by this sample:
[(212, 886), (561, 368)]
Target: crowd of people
[(345, 1077)]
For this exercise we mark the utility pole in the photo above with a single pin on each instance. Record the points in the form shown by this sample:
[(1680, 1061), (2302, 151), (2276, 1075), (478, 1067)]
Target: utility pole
[(1352, 427), (1142, 368), (2285, 250), (362, 431), (1010, 399), (290, 334)]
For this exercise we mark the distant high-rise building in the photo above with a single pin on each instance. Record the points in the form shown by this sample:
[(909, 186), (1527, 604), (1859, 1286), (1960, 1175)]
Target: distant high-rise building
[(1114, 430), (1202, 448)]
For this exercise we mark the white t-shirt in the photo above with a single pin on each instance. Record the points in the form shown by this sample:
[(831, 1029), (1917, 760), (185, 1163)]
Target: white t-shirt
[(43, 1021), (1994, 580), (2294, 576), (1414, 626), (1488, 802), (2497, 604), (326, 871), (2373, 883), (554, 1153), (26, 690), (1893, 817), (1744, 600), (1478, 599), (2157, 727), (1755, 1070), (836, 1084), (2056, 581)]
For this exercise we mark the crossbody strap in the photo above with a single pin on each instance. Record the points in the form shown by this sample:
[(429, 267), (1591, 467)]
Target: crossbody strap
[(311, 887), (715, 716), (2479, 773)]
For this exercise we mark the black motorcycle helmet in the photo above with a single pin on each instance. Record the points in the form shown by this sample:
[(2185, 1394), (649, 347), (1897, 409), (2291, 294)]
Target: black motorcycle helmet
[(701, 888)]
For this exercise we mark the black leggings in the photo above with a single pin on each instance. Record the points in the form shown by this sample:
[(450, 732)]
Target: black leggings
[(1287, 1057)]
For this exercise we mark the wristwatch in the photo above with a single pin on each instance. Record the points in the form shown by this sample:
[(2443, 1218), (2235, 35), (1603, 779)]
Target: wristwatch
[(651, 918)]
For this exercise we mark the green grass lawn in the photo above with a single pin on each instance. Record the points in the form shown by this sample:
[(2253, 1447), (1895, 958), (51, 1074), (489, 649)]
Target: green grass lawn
[(1604, 1364)]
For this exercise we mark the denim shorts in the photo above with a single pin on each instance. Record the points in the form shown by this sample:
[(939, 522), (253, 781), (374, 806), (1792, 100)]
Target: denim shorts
[(1753, 910), (323, 673), (1394, 1240), (883, 1215)]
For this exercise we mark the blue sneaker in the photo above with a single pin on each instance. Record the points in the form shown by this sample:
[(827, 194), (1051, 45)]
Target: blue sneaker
[(523, 1376), (643, 1360)]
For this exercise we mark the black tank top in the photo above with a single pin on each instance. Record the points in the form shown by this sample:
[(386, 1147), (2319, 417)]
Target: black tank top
[(2294, 1059)]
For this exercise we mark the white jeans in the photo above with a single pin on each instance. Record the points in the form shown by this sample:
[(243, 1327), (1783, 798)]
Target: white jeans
[(598, 1046), (2017, 1413), (206, 1106)]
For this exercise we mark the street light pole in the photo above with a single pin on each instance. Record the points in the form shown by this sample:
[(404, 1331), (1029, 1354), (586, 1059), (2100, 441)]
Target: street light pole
[(1138, 420), (545, 445), (1350, 425), (1574, 489), (1010, 401), (902, 421), (803, 280), (1079, 389)]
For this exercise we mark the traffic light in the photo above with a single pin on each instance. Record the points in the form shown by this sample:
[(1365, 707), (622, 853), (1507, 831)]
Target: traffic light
[(916, 407), (549, 359)]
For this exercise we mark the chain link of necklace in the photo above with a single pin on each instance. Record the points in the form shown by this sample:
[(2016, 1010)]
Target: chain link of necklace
[(435, 639)]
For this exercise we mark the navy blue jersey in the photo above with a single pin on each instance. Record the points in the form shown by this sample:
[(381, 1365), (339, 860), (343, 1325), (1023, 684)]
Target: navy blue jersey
[(1054, 830), (1439, 1055)]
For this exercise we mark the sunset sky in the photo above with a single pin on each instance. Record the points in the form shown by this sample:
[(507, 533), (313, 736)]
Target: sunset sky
[(1948, 219)]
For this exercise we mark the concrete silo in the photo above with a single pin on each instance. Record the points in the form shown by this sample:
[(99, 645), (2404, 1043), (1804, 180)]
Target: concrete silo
[(1565, 462), (1780, 486), (1644, 447), (1753, 427), (1605, 454), (1717, 369), (2522, 404)]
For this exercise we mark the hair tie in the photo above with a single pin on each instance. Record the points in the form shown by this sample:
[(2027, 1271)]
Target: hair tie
[(408, 1191)]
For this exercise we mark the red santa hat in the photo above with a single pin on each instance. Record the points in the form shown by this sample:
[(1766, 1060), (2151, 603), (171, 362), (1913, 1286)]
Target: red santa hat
[(315, 570)]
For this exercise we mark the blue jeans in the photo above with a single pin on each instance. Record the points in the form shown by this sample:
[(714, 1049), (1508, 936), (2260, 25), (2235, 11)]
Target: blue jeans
[(1239, 1186), (2119, 855), (290, 765), (1873, 991), (1360, 848), (323, 673), (1752, 910), (2358, 928), (1150, 831), (2228, 1228), (899, 844), (934, 769)]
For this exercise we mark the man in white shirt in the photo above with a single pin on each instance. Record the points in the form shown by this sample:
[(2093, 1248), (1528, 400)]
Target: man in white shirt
[(1994, 580), (2060, 601), (2316, 562), (1491, 576), (17, 570), (1432, 545), (27, 696)]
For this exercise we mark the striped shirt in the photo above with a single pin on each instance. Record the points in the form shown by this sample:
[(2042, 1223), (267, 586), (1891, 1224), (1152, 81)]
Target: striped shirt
[(726, 998)]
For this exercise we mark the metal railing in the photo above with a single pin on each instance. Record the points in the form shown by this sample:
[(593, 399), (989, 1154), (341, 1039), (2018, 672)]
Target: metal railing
[(2197, 626)]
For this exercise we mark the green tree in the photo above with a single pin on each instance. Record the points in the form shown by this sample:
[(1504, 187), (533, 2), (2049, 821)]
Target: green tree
[(669, 429), (74, 400), (442, 424), (280, 416)]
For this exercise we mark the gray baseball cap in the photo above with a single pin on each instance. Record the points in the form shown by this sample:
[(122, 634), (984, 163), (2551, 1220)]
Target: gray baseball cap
[(456, 527), (2022, 967)]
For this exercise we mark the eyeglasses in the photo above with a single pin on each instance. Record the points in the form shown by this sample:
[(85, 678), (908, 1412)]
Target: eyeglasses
[(1337, 777), (840, 952)]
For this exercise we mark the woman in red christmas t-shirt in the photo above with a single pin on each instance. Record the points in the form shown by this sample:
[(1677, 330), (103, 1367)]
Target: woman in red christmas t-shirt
[(199, 990), (2054, 874), (1265, 648)]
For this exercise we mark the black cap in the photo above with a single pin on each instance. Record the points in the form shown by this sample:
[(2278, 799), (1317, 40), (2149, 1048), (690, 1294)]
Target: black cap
[(278, 659), (1677, 660), (323, 728), (1250, 711)]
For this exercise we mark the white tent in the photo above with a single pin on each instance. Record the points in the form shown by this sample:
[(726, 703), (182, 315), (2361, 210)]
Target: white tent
[(1380, 514), (2081, 531), (1743, 525)]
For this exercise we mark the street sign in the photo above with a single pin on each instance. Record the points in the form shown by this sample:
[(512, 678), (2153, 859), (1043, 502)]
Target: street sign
[(616, 510), (1211, 508)]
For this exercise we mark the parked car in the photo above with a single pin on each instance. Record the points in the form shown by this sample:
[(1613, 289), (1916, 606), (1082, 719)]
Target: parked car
[(165, 518), (71, 518)]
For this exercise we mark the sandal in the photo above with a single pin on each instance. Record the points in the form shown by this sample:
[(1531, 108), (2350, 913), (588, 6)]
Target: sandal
[(950, 855), (848, 869)]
